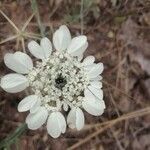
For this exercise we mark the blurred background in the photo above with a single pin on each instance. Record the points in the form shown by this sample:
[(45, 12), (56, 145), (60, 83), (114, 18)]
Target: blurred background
[(118, 33)]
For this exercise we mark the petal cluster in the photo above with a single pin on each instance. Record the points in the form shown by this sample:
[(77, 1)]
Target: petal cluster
[(60, 80)]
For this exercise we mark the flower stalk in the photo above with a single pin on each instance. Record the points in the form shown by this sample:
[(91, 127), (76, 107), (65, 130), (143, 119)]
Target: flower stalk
[(12, 138)]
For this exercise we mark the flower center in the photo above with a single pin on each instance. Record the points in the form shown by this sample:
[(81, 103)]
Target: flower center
[(59, 79), (60, 82)]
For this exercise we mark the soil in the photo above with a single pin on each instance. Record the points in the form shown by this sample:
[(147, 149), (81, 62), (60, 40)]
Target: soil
[(118, 33)]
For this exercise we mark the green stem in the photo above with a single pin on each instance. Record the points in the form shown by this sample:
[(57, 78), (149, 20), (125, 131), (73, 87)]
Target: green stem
[(35, 9), (81, 16), (12, 138)]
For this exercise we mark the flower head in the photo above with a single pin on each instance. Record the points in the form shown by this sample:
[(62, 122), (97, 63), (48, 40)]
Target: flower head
[(60, 80)]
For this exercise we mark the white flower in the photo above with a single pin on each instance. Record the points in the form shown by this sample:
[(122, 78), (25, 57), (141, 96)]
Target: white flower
[(60, 80)]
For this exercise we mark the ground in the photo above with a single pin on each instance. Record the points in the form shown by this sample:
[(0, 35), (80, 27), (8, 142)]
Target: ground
[(118, 32)]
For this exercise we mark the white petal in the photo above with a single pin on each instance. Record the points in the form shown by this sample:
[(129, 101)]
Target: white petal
[(14, 83), (80, 51), (63, 122), (71, 119), (96, 84), (36, 106), (80, 119), (98, 78), (96, 92), (27, 103), (75, 118), (61, 38), (18, 62), (93, 106), (56, 124), (88, 60), (95, 70), (46, 46), (88, 94), (89, 67), (78, 45), (80, 57), (36, 120), (36, 50)]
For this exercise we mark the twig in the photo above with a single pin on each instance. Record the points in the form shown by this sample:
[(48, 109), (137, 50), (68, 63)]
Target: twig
[(23, 45), (117, 140), (55, 8), (15, 27), (105, 82), (130, 115), (31, 36), (9, 39), (27, 22), (35, 9), (119, 67), (114, 103), (20, 35), (109, 124), (111, 129)]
